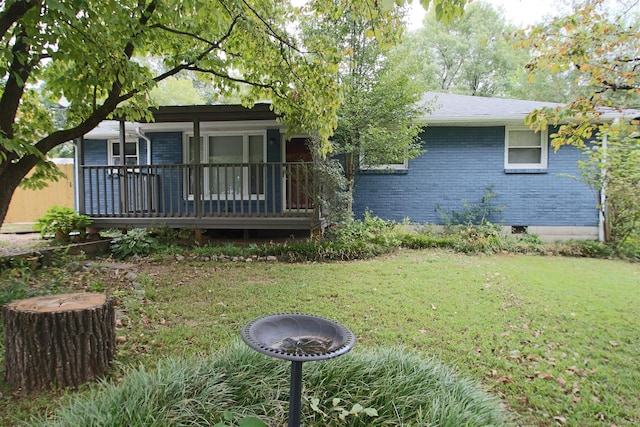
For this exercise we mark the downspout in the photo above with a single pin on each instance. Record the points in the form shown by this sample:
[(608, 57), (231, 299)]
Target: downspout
[(78, 154), (603, 193), (148, 141)]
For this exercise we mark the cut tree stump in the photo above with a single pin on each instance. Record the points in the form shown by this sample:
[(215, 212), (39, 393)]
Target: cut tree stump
[(58, 340)]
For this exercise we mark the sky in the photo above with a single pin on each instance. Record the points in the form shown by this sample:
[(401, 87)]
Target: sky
[(519, 12)]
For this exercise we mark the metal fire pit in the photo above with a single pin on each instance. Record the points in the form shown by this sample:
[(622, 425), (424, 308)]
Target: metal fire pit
[(298, 338)]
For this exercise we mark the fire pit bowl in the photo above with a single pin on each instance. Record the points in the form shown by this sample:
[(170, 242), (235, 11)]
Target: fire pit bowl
[(298, 337)]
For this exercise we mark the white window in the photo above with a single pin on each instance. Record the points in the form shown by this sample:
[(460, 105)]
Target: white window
[(525, 149), (369, 164), (131, 154), (237, 158), (385, 167)]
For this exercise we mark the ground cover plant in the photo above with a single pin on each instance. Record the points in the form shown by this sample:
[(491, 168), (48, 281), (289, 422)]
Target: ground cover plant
[(555, 338), (375, 387)]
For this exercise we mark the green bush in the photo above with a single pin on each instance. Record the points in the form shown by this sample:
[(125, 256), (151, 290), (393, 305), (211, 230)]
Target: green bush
[(425, 241), (135, 242), (395, 386), (371, 229), (474, 214), (172, 236), (321, 250), (60, 222), (584, 248)]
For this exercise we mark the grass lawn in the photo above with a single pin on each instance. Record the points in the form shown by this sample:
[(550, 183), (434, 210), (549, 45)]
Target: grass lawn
[(557, 339)]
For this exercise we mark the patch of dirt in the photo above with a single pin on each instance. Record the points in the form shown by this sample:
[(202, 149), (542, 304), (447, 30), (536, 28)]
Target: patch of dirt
[(16, 243)]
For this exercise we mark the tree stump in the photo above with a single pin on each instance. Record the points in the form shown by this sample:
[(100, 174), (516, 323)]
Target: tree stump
[(62, 340)]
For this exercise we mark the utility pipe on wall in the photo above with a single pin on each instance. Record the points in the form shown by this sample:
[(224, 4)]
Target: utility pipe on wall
[(603, 192), (148, 140)]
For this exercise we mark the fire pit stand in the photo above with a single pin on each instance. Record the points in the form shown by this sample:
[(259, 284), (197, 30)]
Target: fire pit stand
[(298, 338)]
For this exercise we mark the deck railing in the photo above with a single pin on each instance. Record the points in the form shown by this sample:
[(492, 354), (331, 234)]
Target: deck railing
[(203, 190)]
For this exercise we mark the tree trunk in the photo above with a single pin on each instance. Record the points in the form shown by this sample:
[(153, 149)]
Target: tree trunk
[(58, 340), (10, 176)]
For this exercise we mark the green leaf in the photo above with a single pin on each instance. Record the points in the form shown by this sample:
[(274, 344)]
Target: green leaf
[(251, 422), (372, 412), (356, 409), (228, 415)]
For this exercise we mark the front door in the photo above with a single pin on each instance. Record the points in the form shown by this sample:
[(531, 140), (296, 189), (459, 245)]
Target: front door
[(298, 179)]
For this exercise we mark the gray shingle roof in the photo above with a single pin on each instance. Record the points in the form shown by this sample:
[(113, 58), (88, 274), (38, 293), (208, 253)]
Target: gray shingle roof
[(447, 108)]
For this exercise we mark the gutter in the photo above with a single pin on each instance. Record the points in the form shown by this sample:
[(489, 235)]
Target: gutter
[(148, 140)]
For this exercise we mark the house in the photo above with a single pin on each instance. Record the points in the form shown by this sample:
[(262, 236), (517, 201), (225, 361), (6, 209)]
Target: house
[(229, 167)]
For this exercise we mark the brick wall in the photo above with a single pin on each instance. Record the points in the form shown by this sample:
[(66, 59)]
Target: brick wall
[(460, 163)]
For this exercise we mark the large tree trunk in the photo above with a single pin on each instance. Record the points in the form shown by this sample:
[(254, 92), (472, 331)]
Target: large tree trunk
[(62, 340), (11, 174)]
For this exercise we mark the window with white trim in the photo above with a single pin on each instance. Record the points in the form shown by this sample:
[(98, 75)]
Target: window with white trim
[(525, 149), (238, 158), (131, 153), (403, 165), (371, 163)]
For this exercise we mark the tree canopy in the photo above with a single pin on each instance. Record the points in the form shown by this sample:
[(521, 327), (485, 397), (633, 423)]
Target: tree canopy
[(469, 55), (377, 121), (600, 45)]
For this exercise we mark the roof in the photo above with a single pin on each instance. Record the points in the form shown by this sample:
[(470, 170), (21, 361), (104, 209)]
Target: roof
[(181, 118), (445, 109), (213, 113), (463, 110)]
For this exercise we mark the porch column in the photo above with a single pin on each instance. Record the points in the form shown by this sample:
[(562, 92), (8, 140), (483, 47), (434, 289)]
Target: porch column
[(197, 172), (79, 196), (122, 141), (124, 187)]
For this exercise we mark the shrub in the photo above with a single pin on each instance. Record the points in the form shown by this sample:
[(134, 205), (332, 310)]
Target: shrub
[(469, 238), (584, 248), (397, 386), (136, 242), (60, 222), (425, 241), (480, 213), (172, 236), (371, 229)]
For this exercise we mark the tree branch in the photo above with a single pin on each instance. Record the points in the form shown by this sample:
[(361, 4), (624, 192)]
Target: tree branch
[(18, 73), (114, 98), (13, 13), (270, 29), (234, 79)]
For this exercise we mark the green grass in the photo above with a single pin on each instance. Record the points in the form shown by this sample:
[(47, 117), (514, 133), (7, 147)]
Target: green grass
[(555, 338), (399, 387)]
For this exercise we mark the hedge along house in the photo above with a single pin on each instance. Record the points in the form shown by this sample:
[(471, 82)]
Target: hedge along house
[(476, 143), (202, 167)]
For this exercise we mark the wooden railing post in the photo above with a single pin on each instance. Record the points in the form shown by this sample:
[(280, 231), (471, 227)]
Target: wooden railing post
[(197, 173)]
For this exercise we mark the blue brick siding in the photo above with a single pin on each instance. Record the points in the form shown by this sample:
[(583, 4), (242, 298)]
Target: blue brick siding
[(166, 148), (96, 154), (460, 163)]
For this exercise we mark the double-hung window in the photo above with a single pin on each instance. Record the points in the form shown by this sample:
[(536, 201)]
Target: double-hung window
[(400, 165), (525, 149), (233, 164), (131, 154)]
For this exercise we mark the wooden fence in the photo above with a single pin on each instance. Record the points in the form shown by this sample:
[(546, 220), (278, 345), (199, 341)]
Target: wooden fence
[(29, 205)]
